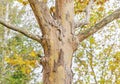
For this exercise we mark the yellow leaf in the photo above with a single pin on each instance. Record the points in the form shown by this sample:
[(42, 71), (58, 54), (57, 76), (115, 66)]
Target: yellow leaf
[(24, 2), (13, 62), (7, 59), (112, 67), (101, 8), (28, 71), (27, 62), (25, 70), (33, 63), (92, 40), (33, 54)]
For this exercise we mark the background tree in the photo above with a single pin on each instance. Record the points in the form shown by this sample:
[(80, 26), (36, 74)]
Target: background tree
[(17, 63), (59, 40)]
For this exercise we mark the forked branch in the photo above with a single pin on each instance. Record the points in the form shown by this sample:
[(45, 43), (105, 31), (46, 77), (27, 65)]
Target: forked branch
[(42, 14)]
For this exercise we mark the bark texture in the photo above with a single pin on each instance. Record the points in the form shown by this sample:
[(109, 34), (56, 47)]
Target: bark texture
[(58, 40), (58, 51)]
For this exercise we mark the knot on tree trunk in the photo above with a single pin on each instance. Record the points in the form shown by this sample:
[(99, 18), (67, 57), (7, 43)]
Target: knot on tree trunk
[(43, 60)]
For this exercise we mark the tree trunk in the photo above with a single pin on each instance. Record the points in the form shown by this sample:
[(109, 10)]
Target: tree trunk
[(57, 60), (58, 46)]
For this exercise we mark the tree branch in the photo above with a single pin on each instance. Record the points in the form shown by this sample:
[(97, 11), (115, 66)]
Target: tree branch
[(26, 33), (86, 20), (42, 14), (99, 25)]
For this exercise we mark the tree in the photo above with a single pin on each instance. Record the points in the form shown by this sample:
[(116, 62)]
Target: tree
[(58, 38), (10, 71)]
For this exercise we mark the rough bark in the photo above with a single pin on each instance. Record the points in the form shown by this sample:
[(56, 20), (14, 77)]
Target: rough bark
[(58, 52), (56, 40)]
